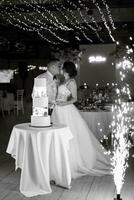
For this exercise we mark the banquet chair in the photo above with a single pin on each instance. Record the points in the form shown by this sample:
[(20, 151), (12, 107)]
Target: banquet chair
[(1, 103), (18, 104)]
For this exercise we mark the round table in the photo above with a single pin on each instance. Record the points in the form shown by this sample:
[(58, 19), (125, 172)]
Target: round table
[(42, 155)]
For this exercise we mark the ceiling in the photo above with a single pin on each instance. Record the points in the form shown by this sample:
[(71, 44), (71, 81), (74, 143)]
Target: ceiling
[(26, 27)]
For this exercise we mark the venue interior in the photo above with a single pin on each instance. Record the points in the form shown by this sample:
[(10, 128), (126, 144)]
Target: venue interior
[(98, 37)]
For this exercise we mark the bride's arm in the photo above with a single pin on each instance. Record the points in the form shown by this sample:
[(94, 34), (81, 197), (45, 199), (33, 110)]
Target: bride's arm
[(73, 89)]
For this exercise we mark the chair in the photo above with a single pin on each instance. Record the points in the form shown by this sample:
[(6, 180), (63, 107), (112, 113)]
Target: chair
[(18, 104), (1, 103)]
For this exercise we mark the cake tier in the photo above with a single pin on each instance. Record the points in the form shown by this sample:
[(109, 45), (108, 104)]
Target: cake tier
[(40, 82), (40, 88), (40, 111), (40, 121), (39, 92), (40, 102)]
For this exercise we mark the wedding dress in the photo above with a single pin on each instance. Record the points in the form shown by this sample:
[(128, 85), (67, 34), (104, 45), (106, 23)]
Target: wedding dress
[(86, 153)]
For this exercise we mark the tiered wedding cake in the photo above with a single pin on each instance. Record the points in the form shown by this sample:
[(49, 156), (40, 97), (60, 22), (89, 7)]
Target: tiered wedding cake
[(40, 115)]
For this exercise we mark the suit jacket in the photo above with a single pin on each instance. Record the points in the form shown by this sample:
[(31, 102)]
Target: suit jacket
[(51, 87)]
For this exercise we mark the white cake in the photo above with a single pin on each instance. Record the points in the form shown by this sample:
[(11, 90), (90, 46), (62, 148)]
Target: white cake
[(40, 115)]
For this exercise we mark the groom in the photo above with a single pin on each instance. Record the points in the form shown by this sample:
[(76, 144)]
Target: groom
[(53, 68)]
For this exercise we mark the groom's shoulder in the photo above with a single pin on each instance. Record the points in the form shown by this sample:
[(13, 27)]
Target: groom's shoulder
[(44, 75)]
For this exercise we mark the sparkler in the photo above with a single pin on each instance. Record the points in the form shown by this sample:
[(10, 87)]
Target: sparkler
[(121, 126)]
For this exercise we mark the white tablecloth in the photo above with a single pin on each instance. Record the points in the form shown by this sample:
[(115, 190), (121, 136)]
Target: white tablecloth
[(42, 155), (98, 122)]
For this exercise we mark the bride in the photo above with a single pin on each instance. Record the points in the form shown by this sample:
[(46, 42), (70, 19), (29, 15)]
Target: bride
[(86, 154)]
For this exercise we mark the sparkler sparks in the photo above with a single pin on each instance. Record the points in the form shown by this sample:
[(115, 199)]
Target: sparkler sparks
[(121, 144), (121, 126)]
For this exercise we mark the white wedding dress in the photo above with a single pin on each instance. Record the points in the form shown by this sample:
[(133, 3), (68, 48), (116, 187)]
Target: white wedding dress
[(86, 154)]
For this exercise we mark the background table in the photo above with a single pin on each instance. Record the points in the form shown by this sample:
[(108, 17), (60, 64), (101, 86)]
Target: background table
[(42, 155), (98, 122)]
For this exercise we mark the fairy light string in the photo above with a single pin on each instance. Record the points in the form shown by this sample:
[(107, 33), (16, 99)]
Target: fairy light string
[(60, 9), (42, 25), (26, 27), (84, 18), (61, 25), (92, 20), (90, 16), (109, 14), (77, 24), (103, 19), (36, 20), (12, 20), (36, 26), (80, 27), (53, 20)]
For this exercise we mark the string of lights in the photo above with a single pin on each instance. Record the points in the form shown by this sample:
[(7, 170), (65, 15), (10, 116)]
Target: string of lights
[(35, 26), (33, 16), (42, 26), (61, 25), (63, 14), (90, 16), (36, 7), (43, 37), (103, 19), (77, 24), (80, 27), (25, 27), (84, 18), (83, 32), (97, 27), (29, 29), (109, 14)]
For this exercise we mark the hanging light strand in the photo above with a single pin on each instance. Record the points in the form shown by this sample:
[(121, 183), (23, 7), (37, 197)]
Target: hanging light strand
[(16, 22), (91, 17), (62, 26), (77, 24), (52, 32), (103, 19), (84, 19), (109, 14), (39, 26), (25, 27), (37, 8), (42, 15), (49, 41), (80, 27)]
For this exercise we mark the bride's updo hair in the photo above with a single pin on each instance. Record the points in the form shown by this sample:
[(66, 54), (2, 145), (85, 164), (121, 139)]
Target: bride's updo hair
[(70, 68)]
